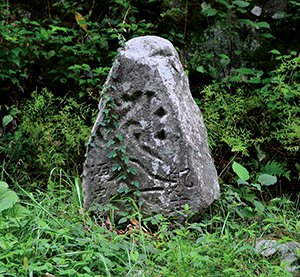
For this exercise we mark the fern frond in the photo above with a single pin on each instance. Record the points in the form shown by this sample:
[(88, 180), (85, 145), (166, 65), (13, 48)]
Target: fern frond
[(276, 168)]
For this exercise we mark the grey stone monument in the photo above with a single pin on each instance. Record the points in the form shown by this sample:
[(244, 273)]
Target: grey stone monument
[(163, 131)]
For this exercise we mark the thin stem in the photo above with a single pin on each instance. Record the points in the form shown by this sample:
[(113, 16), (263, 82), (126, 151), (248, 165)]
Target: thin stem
[(7, 8), (225, 168), (49, 9), (185, 21)]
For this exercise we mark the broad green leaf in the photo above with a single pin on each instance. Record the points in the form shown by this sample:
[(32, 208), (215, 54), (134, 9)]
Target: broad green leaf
[(257, 186), (255, 80), (125, 159), (134, 255), (116, 167), (241, 10), (16, 60), (110, 143), (122, 220), (267, 35), (262, 24), (242, 182), (224, 56), (241, 171), (258, 206), (280, 15), (245, 71), (136, 184), (270, 220), (122, 177), (120, 137), (17, 211), (249, 195), (35, 23), (210, 12), (247, 22), (275, 51), (124, 189), (235, 78), (200, 69), (16, 56), (7, 119), (132, 170), (295, 3), (85, 66), (3, 185), (207, 10), (225, 3), (112, 154), (267, 180), (248, 212), (51, 53), (225, 60), (241, 4), (122, 149), (7, 197)]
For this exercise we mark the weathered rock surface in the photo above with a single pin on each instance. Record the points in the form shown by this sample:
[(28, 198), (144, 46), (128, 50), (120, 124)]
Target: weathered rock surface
[(163, 132), (289, 253)]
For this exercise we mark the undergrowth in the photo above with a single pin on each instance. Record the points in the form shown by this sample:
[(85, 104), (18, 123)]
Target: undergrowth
[(47, 232), (52, 133)]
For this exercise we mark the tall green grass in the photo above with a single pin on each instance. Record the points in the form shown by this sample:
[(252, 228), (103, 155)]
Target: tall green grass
[(55, 236)]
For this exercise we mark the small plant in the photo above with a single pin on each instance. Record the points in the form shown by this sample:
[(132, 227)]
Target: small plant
[(8, 198), (10, 207), (250, 195)]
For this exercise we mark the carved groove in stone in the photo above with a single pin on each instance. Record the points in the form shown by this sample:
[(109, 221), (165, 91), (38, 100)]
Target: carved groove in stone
[(160, 112), (161, 134)]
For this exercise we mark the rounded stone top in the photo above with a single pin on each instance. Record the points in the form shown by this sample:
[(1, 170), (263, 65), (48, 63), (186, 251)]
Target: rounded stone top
[(148, 46)]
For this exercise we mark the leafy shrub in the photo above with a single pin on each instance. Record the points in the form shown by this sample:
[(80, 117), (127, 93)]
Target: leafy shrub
[(227, 42), (259, 122), (38, 53), (233, 36), (51, 133), (281, 95)]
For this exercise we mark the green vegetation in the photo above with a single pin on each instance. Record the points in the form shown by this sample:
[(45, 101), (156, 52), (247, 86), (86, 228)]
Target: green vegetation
[(244, 74), (47, 231)]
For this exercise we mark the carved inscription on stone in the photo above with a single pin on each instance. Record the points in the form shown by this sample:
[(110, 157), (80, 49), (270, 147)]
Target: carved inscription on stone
[(178, 186), (100, 173), (163, 132)]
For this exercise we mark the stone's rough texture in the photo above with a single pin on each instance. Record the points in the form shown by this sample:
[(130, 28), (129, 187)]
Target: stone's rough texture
[(288, 252), (163, 131)]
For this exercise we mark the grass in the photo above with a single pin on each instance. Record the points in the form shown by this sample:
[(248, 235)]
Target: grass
[(54, 236)]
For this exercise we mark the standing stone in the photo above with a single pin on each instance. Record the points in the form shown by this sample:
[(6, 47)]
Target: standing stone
[(163, 131)]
